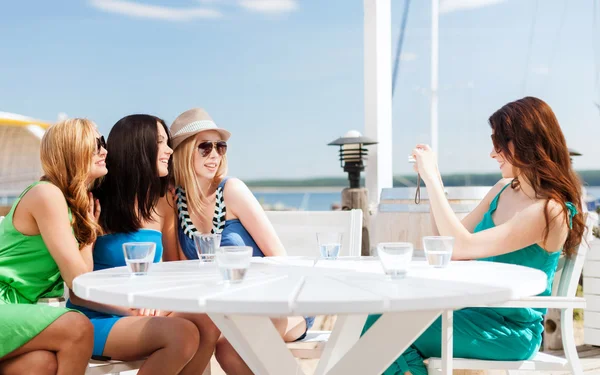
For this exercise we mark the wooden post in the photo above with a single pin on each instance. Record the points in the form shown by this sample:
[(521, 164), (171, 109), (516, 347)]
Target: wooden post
[(359, 198), (552, 332)]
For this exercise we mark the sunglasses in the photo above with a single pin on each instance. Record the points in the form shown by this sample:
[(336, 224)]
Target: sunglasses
[(100, 143), (206, 147)]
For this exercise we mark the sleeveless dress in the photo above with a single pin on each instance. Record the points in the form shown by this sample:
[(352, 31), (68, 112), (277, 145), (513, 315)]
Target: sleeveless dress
[(108, 253), (232, 231), (27, 273), (509, 334)]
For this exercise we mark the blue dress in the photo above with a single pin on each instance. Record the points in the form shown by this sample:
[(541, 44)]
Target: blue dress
[(232, 231), (108, 253)]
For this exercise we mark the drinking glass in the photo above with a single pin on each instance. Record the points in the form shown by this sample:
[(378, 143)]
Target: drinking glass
[(206, 245), (330, 244), (438, 250), (233, 262), (395, 258), (139, 256)]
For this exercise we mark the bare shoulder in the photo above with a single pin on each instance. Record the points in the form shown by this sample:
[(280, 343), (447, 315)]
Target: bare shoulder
[(235, 188), (166, 205), (556, 210), (45, 195), (496, 189)]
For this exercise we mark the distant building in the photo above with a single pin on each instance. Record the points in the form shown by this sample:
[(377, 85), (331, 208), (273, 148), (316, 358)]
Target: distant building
[(20, 165)]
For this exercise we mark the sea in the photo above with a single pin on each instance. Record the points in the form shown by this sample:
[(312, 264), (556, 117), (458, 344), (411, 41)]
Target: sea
[(323, 200)]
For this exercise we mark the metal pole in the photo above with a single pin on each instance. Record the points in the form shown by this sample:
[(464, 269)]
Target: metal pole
[(434, 73)]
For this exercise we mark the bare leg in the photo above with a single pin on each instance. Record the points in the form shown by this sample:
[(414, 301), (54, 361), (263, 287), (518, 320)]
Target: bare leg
[(39, 362), (71, 337), (209, 334), (169, 343), (290, 329)]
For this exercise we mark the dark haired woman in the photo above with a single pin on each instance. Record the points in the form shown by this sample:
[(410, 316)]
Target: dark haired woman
[(528, 218), (136, 209)]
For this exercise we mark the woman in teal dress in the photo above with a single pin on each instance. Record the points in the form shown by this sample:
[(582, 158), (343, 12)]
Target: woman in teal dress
[(136, 207), (528, 218), (46, 239)]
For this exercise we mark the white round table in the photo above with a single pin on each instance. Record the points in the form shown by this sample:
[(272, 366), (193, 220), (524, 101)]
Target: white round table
[(351, 288)]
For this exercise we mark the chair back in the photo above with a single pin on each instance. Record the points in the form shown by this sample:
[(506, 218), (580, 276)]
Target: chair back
[(570, 268), (298, 230)]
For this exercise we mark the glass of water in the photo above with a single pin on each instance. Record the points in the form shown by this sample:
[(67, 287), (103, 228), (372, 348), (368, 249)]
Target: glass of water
[(330, 244), (206, 245), (139, 256), (233, 262), (395, 258), (438, 250)]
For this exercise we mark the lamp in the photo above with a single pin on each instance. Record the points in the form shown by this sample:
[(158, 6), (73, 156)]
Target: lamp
[(353, 154)]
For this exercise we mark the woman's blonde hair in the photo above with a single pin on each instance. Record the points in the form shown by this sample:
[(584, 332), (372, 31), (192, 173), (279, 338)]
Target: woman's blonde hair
[(66, 153), (185, 175)]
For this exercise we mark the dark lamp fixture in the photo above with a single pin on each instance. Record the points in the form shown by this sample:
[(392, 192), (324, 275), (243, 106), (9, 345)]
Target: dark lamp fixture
[(353, 155)]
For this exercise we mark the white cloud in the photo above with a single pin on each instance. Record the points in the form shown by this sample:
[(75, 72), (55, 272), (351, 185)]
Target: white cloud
[(134, 9), (541, 69), (447, 6), (269, 6), (408, 56)]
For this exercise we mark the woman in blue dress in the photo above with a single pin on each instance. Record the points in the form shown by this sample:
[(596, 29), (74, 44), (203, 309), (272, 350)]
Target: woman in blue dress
[(210, 202), (528, 218), (136, 208)]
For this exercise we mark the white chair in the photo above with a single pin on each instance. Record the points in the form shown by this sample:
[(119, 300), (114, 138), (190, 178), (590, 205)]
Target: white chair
[(297, 230), (563, 298)]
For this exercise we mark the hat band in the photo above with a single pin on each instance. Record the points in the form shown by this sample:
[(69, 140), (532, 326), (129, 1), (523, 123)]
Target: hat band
[(196, 126)]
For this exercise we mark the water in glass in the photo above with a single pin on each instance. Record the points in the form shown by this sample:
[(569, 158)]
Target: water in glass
[(139, 256), (438, 250), (233, 262), (207, 245), (395, 258)]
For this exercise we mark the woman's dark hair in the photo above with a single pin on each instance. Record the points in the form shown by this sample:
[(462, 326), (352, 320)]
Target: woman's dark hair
[(541, 155), (130, 191)]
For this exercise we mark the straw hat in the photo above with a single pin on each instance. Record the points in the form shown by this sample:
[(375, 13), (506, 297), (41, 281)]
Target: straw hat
[(192, 122)]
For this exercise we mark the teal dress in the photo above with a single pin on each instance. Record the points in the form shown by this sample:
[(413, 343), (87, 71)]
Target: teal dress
[(509, 334)]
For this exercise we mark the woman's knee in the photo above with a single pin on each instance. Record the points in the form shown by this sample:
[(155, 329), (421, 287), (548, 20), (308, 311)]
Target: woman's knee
[(184, 338), (209, 332), (225, 353), (79, 329)]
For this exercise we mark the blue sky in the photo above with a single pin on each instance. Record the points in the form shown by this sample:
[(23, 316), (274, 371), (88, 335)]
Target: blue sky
[(286, 76)]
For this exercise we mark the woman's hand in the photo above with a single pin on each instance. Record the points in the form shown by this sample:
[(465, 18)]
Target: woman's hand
[(426, 163), (94, 208)]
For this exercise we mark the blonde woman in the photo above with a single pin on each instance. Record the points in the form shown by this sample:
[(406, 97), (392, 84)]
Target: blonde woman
[(209, 202), (46, 239)]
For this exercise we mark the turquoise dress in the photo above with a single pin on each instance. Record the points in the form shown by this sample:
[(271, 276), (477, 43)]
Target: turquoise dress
[(108, 253), (509, 334)]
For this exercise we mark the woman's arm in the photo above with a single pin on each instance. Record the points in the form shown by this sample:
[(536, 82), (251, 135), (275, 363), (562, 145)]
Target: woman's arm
[(243, 205), (107, 309), (524, 229), (166, 209), (474, 217), (48, 207)]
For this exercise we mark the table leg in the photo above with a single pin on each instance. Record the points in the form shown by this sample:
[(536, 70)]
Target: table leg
[(257, 341), (447, 337), (387, 339), (345, 334)]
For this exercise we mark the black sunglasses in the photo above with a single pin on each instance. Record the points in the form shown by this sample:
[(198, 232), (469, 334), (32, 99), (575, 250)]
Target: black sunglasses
[(206, 147), (100, 143)]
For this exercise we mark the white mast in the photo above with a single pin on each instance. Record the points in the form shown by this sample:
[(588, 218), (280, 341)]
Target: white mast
[(434, 73)]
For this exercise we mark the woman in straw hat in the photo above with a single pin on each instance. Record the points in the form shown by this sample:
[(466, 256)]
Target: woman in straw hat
[(137, 208), (209, 202), (45, 242)]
